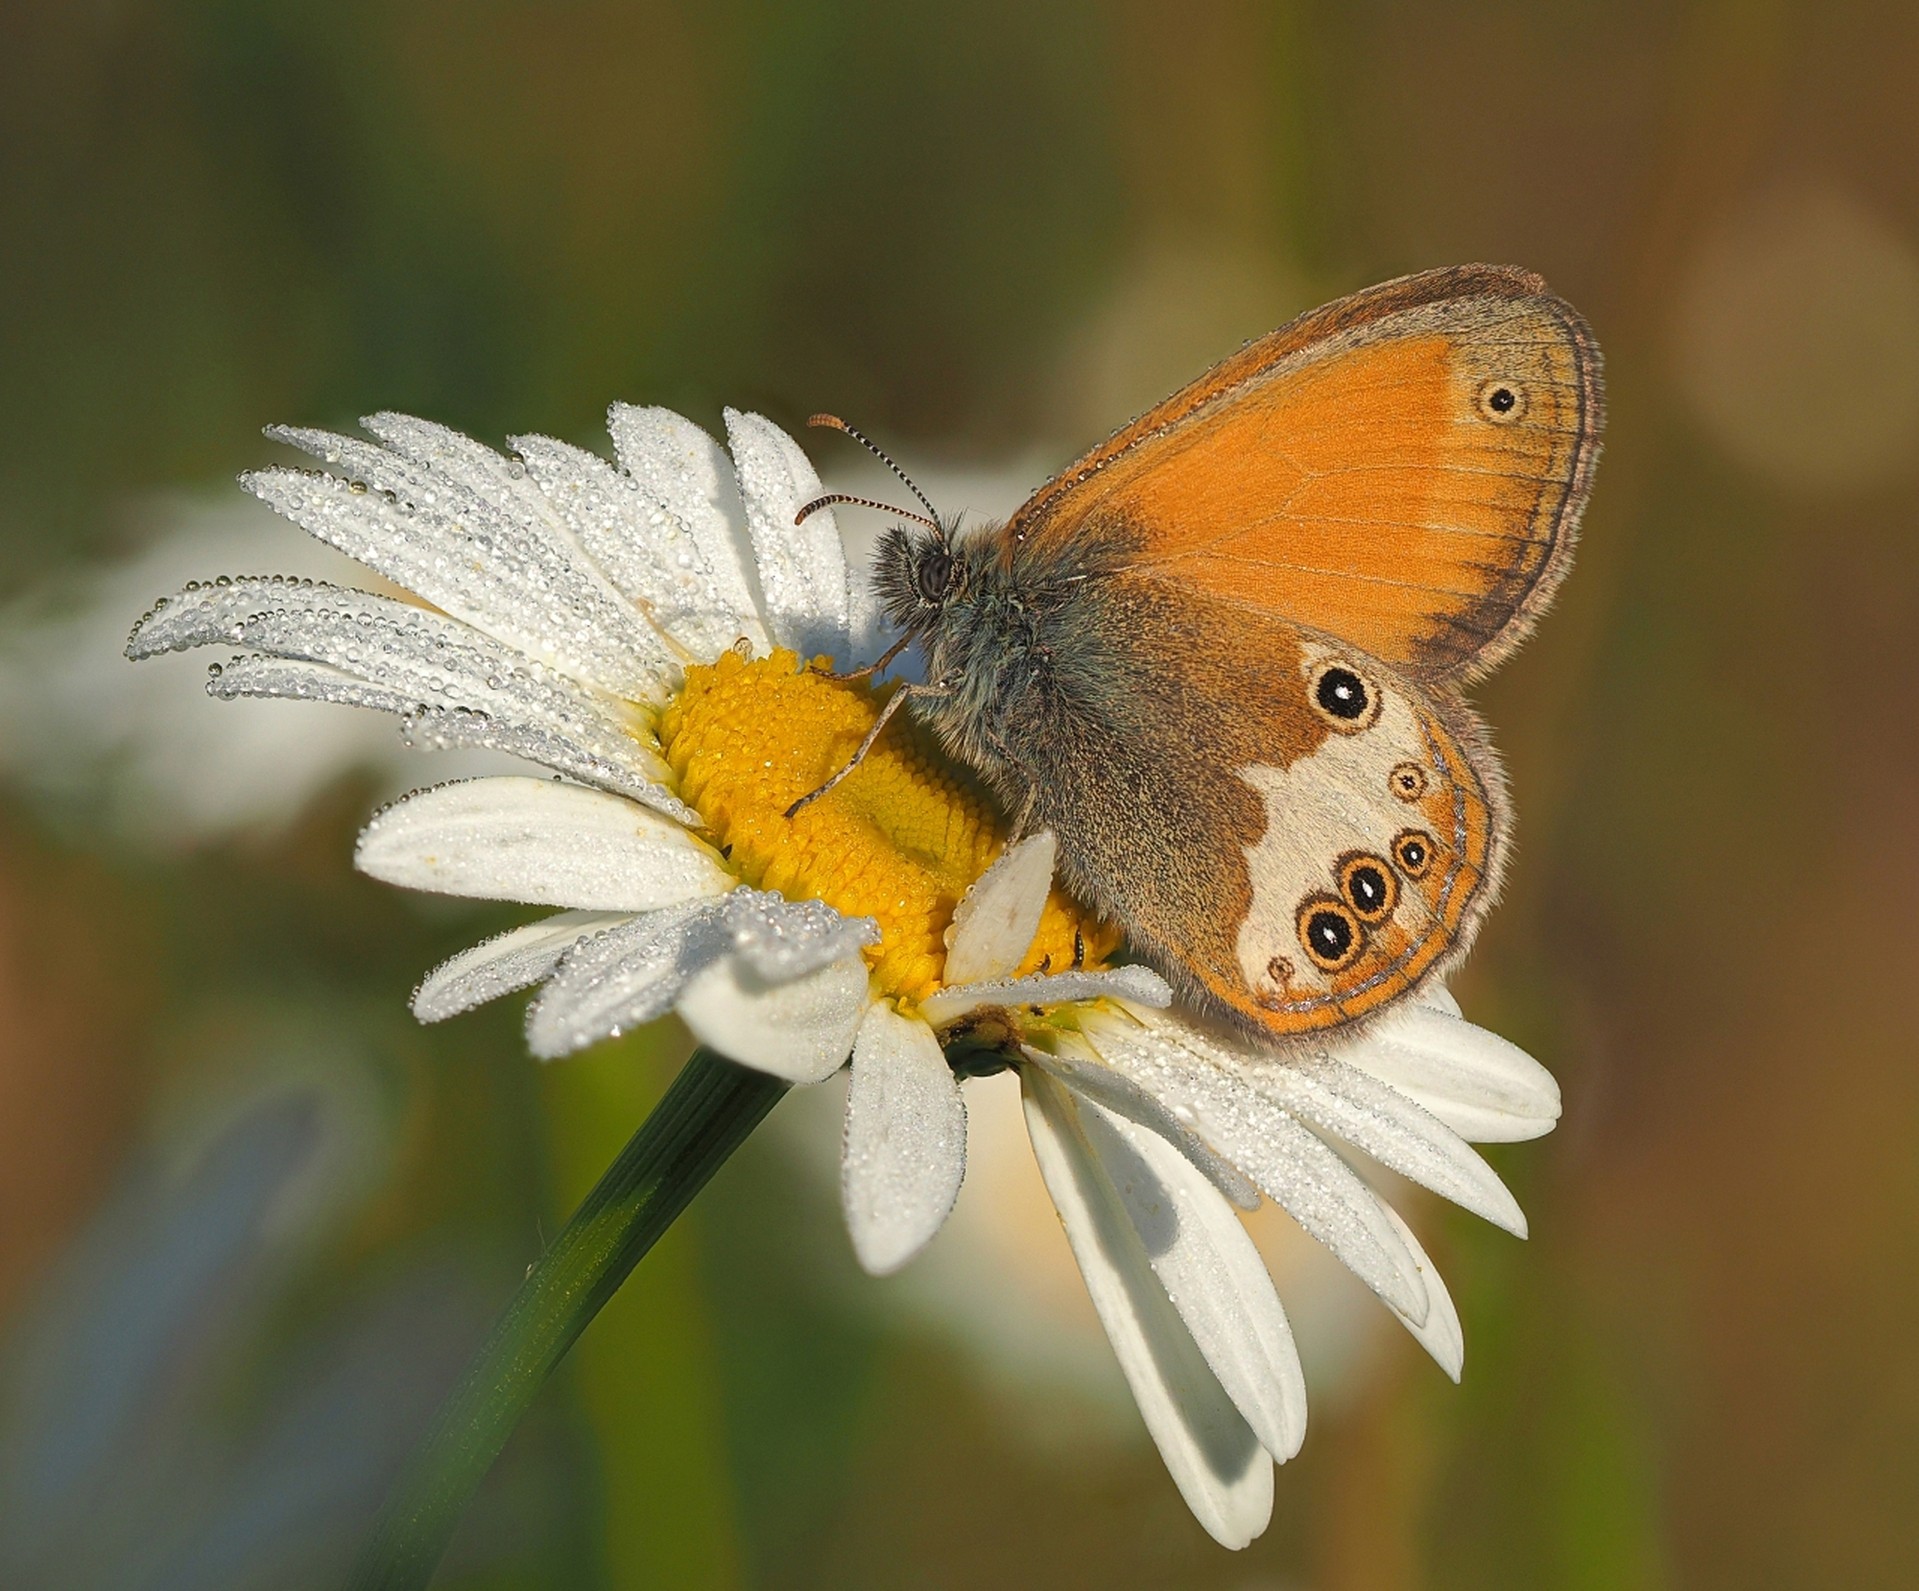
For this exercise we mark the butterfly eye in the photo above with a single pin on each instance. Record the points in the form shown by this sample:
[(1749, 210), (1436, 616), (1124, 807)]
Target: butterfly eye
[(1407, 781), (1502, 402), (1342, 697), (1413, 851), (1331, 933), (1367, 885), (933, 575)]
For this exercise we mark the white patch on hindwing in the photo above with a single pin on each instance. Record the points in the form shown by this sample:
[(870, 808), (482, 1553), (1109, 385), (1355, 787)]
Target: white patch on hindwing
[(1337, 800)]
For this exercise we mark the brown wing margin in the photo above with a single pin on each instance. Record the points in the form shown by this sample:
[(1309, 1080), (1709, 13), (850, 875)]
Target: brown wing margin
[(1353, 511)]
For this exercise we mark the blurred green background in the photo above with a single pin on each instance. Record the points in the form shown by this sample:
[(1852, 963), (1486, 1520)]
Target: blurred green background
[(252, 1218)]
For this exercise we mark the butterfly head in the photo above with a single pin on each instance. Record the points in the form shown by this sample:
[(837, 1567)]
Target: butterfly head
[(916, 574)]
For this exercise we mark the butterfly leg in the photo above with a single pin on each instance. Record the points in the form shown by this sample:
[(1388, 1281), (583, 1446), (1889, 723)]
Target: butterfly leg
[(893, 705), (873, 667), (1023, 816)]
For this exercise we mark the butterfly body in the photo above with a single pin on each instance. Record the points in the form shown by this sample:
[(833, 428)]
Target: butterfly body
[(1219, 657)]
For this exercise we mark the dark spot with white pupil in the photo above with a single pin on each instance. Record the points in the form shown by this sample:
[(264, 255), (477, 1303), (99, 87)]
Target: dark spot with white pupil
[(1342, 693), (1501, 400), (1331, 934), (1368, 885)]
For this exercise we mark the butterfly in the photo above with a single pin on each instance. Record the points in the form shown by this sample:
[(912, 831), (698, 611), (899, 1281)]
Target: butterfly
[(1221, 656)]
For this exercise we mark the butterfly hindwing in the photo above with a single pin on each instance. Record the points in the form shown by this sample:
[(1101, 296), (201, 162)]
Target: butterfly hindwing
[(1291, 829), (1378, 856)]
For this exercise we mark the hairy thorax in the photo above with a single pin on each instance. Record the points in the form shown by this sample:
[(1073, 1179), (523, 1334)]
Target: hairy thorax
[(993, 650)]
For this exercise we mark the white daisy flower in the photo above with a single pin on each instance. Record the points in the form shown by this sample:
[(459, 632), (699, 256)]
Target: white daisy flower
[(642, 630)]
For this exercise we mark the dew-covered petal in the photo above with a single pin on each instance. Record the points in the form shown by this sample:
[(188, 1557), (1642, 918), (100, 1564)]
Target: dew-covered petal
[(994, 924), (623, 977), (649, 554), (1214, 1457), (1212, 1273), (683, 470), (459, 459), (800, 1030), (905, 1147), (508, 962), (284, 679), (1138, 985), (500, 565), (439, 729), (1484, 1088), (780, 939), (1439, 1333), (1076, 1065), (416, 660), (802, 568), (1289, 1162), (1387, 1125), (540, 842), (631, 974)]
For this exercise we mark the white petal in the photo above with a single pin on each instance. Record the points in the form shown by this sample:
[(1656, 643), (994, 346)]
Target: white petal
[(413, 661), (1485, 1089), (905, 1147), (633, 973), (540, 842), (1139, 985), (802, 568), (279, 678), (800, 1030), (683, 470), (514, 960), (1215, 1459), (779, 939), (646, 551), (1439, 1333), (1077, 1066), (1290, 1163), (439, 730), (994, 925), (1387, 1125), (1212, 1273), (458, 457), (623, 978), (494, 560)]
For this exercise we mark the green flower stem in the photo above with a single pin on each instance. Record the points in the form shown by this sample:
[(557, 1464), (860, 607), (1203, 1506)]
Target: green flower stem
[(707, 1113)]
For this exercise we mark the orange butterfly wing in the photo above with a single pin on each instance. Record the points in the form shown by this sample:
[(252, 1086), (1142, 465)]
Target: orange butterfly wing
[(1404, 468)]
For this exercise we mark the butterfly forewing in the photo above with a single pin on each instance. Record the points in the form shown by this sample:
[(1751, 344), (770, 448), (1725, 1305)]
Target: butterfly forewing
[(1404, 468)]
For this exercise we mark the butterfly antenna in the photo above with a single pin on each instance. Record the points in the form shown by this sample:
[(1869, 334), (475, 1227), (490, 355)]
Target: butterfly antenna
[(833, 422), (831, 498)]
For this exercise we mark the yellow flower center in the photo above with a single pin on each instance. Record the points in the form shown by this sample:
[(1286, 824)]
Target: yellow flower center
[(900, 839)]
